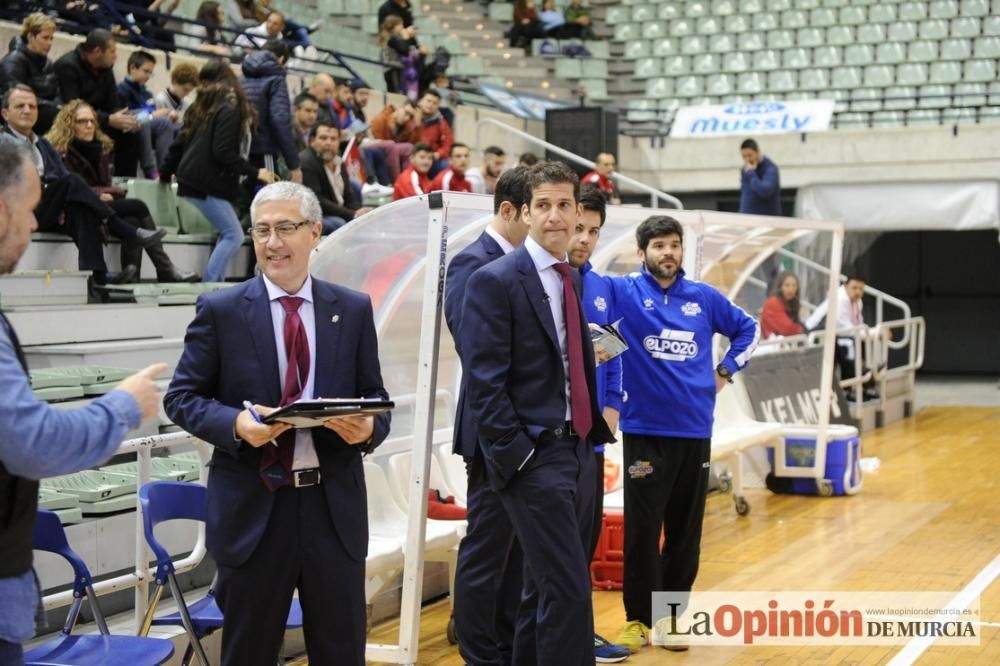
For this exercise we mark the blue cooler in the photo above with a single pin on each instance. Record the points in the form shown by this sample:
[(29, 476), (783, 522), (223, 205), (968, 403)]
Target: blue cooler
[(799, 476)]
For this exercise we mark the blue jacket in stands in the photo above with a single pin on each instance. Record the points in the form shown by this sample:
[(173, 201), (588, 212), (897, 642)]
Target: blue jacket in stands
[(266, 87), (134, 95), (596, 299), (760, 189), (668, 371)]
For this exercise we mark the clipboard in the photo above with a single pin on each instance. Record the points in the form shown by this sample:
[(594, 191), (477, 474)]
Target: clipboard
[(312, 413)]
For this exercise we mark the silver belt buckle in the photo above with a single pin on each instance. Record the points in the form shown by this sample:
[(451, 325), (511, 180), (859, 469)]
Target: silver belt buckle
[(304, 478)]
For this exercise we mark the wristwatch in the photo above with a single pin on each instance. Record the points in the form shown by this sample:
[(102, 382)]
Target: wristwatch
[(723, 372)]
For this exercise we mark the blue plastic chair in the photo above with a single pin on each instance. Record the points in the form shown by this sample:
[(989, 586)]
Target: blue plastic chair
[(101, 649), (175, 500)]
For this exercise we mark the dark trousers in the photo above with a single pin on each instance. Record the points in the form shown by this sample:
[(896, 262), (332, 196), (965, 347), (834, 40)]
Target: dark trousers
[(299, 550), (488, 579), (11, 654), (136, 213), (128, 150), (665, 489), (595, 534), (69, 206), (551, 506)]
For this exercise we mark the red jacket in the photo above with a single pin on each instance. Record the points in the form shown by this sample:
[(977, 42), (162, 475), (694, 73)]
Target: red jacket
[(438, 135), (410, 183), (774, 319), (451, 181), (602, 183)]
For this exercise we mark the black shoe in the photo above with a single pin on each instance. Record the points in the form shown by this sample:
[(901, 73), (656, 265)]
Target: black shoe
[(145, 237), (178, 276), (870, 394), (127, 275)]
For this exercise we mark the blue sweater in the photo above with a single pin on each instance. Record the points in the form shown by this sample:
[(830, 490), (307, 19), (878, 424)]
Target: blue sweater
[(760, 189), (596, 305), (669, 375)]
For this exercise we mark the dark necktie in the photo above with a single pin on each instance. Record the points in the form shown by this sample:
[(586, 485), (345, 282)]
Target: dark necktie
[(276, 462), (579, 393)]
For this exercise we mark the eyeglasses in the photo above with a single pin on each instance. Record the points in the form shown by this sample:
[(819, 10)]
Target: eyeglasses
[(261, 233), (85, 121)]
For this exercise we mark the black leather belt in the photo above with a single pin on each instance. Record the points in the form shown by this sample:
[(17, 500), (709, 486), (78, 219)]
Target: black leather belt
[(565, 431), (303, 478)]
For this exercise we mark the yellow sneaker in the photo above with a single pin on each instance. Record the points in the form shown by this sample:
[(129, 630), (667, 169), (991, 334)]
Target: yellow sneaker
[(671, 636), (633, 636)]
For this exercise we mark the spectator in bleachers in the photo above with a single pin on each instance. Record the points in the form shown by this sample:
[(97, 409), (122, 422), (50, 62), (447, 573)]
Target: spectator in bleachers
[(340, 107), (435, 130), (86, 151), (210, 156), (601, 178), (323, 87), (82, 16), (68, 204), (393, 131), (206, 38), (578, 14), (39, 440), (453, 179), (527, 159), (156, 131), (85, 73), (271, 29), (154, 27), (484, 177), (324, 174), (414, 180), (360, 94), (782, 314), (552, 19), (176, 98), (526, 25), (305, 111), (400, 8), (246, 13), (400, 48), (29, 64), (442, 86), (266, 86)]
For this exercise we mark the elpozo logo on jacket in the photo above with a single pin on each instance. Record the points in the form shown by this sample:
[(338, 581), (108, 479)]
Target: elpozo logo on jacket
[(671, 345)]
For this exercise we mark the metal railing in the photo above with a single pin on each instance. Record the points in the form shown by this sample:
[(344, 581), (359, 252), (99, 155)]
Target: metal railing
[(655, 195)]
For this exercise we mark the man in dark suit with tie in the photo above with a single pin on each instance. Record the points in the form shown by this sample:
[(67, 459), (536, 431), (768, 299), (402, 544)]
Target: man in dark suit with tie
[(291, 514), (532, 392), (488, 577)]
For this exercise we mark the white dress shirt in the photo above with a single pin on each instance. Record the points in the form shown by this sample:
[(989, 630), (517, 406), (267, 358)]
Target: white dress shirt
[(305, 451), (501, 241), (553, 286)]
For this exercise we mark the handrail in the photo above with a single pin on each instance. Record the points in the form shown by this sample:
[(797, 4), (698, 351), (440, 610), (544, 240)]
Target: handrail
[(654, 193)]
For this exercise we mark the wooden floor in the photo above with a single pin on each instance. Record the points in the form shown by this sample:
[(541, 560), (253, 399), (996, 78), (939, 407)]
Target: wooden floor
[(928, 519)]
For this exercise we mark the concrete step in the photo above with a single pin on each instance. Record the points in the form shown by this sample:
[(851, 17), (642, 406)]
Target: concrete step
[(44, 286), (119, 353), (64, 324)]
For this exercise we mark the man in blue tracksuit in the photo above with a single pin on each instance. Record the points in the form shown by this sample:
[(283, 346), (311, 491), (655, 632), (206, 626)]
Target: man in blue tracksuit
[(596, 297), (671, 381)]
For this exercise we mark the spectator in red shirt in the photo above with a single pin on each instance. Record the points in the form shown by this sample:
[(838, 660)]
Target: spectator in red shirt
[(453, 179), (414, 180), (600, 177), (435, 131), (781, 314)]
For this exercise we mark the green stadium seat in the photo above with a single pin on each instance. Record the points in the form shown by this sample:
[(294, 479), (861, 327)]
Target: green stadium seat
[(160, 200), (688, 86), (913, 11), (796, 58), (826, 56), (989, 114), (778, 5), (933, 29), (736, 62), (697, 9), (677, 65), (872, 33), (943, 9), (782, 80), (958, 48), (842, 105), (814, 79), (974, 8), (840, 35), (626, 32), (882, 13), (504, 11), (922, 51), (878, 76), (922, 117), (751, 6), (764, 21), (994, 90), (709, 25), (668, 11), (766, 60), (845, 78), (643, 13), (594, 68), (719, 84), (794, 18), (987, 47), (723, 44), (866, 99), (935, 96), (822, 17), (705, 63), (692, 44), (807, 4), (903, 31), (369, 23), (647, 68), (640, 48), (980, 70), (970, 94), (810, 37), (659, 88), (737, 23), (641, 110), (858, 54), (780, 39), (724, 7), (569, 68), (613, 15), (911, 74), (900, 97), (991, 25), (959, 116), (597, 89), (665, 46), (852, 16), (851, 120), (966, 26), (598, 48), (890, 53), (680, 27), (751, 41), (476, 66), (888, 119), (836, 4)]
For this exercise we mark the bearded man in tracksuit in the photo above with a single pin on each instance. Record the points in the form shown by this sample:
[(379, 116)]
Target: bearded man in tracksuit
[(670, 385)]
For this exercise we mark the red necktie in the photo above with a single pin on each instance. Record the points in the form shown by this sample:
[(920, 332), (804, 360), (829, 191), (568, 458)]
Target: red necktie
[(276, 462), (579, 393)]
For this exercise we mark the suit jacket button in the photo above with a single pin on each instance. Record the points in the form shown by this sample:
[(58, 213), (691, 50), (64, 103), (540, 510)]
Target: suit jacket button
[(558, 432)]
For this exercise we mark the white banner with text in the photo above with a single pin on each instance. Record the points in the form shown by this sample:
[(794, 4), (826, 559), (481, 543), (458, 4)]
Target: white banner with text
[(750, 118)]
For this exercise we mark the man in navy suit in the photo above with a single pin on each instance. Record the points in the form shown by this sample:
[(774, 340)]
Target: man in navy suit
[(488, 577), (526, 344), (290, 515)]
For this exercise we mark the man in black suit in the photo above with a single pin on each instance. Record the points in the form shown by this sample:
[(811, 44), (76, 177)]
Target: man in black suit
[(292, 515), (485, 611), (323, 173), (532, 393)]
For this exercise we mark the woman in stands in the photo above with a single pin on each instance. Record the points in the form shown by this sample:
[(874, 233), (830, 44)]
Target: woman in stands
[(87, 150), (29, 63), (209, 158), (781, 315), (526, 25), (206, 38), (399, 47)]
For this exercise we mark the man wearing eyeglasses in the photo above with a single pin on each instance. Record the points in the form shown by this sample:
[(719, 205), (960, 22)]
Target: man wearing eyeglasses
[(286, 508)]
